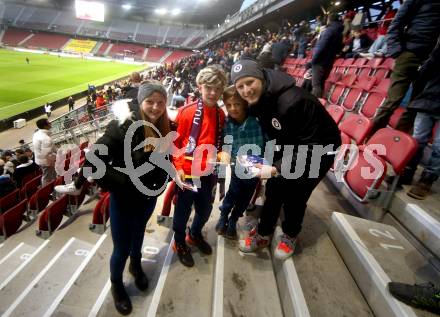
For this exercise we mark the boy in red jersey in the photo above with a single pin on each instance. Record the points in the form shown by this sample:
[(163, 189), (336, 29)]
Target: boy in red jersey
[(200, 125)]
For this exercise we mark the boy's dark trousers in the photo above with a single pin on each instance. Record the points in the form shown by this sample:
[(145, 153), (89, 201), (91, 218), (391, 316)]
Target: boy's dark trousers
[(202, 205), (237, 198)]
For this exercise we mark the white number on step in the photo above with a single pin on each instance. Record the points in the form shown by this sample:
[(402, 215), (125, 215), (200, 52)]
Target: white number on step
[(378, 233), (390, 246), (25, 256), (151, 250), (81, 252)]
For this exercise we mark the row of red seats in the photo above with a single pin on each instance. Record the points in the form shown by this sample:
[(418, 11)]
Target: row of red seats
[(33, 198), (398, 149)]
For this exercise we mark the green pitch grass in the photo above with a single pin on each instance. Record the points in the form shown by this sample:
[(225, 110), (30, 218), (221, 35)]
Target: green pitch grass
[(49, 78)]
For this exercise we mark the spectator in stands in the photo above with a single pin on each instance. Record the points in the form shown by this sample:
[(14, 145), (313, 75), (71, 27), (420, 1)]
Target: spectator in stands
[(244, 130), (293, 117), (71, 103), (411, 37), (300, 35), (26, 167), (48, 109), (132, 90), (427, 107), (45, 151), (130, 209), (379, 46), (100, 101), (211, 81), (359, 43), (326, 49), (280, 50), (23, 145)]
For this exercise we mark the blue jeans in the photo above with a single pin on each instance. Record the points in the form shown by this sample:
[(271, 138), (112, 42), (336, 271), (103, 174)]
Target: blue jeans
[(379, 45), (128, 220), (202, 205), (239, 195), (423, 126)]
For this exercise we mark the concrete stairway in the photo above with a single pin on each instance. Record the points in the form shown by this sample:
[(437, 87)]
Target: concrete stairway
[(345, 275)]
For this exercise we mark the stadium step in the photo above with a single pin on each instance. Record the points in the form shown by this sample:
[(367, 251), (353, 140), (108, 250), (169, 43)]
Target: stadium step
[(144, 54), (165, 56), (420, 217), (27, 38), (241, 279), (188, 291), (2, 33), (376, 254), (108, 49), (329, 288), (155, 253), (40, 282)]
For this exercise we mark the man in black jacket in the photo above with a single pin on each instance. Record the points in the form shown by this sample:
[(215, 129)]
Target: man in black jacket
[(326, 49), (427, 108), (280, 50), (411, 37), (305, 136)]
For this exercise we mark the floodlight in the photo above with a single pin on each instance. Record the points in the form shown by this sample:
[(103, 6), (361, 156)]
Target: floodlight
[(161, 11), (175, 11), (337, 3), (126, 6)]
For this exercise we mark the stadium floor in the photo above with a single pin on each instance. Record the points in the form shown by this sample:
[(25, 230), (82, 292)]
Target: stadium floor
[(48, 78)]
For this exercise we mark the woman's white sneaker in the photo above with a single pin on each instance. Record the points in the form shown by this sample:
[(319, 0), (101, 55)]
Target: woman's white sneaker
[(69, 189)]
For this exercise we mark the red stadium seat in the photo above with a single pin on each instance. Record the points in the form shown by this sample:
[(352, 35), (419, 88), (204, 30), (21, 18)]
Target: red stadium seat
[(9, 201), (384, 69), (352, 98), (372, 64), (356, 66), (357, 183), (29, 177), (346, 64), (338, 91), (13, 218), (30, 187), (41, 198), (101, 213), (356, 127), (399, 148), (375, 99), (52, 216), (336, 65), (336, 112)]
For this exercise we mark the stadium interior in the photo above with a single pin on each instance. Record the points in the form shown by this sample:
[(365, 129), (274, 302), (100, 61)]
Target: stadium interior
[(358, 234)]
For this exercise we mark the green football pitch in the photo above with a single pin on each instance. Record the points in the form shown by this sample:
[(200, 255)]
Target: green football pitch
[(48, 78)]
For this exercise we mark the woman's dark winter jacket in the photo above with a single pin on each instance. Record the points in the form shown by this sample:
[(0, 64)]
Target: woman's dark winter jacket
[(293, 116), (429, 99), (117, 181), (415, 28)]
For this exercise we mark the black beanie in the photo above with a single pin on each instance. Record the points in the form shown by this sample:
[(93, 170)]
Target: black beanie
[(246, 68)]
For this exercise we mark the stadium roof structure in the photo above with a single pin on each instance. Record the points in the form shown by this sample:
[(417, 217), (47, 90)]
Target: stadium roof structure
[(206, 12)]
